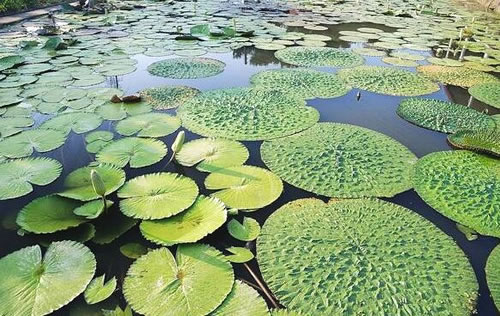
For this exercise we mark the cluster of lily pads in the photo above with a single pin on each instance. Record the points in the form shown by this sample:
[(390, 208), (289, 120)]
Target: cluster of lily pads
[(315, 257)]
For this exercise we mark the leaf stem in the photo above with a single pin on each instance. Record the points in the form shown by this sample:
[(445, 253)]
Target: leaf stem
[(262, 287)]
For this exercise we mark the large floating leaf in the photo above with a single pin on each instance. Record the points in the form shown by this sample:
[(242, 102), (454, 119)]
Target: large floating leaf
[(76, 122), (133, 250), (157, 195), (17, 176), (13, 125), (193, 283), (98, 291), (212, 153), (118, 111), (319, 56), (492, 276), (242, 301), (187, 68), (78, 184), (488, 93), (368, 256), (341, 160), (34, 285), (472, 198), (457, 76), (199, 220), (388, 80), (443, 116), (138, 152), (246, 231), (24, 143), (149, 125), (246, 114), (168, 97), (49, 214), (302, 83), (487, 141), (244, 187)]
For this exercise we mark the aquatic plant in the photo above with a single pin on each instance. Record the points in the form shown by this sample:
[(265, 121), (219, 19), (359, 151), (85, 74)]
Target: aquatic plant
[(168, 97), (246, 114), (246, 231), (134, 151), (26, 142), (492, 266), (148, 125), (327, 159), (336, 269), (187, 68), (301, 83), (242, 300), (471, 199), (387, 80), (97, 291), (488, 93), (486, 141), (457, 76), (319, 56)]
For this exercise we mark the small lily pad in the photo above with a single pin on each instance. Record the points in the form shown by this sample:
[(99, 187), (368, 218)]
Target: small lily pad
[(200, 219), (97, 291), (135, 151), (149, 125), (239, 254), (76, 122), (26, 142), (248, 231), (133, 250), (157, 195)]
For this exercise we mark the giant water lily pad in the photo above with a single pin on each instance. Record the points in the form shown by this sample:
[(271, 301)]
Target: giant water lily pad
[(12, 125), (195, 282), (492, 276), (368, 256), (457, 76), (443, 116), (118, 111), (341, 160), (302, 83), (135, 151), (471, 199), (24, 143), (168, 97), (319, 56), (32, 284), (17, 176), (187, 68), (488, 93), (78, 184), (157, 195), (246, 114), (76, 122), (209, 154), (199, 220), (388, 80), (244, 187), (149, 125), (487, 141), (242, 301), (49, 214)]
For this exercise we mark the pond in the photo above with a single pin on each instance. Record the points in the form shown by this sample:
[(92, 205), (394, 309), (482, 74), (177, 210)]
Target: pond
[(354, 140)]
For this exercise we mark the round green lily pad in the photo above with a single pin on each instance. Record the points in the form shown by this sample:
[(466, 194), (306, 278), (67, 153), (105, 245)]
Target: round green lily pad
[(244, 187), (136, 151), (118, 111), (194, 282), (487, 141), (301, 83), (492, 276), (246, 114), (187, 68), (488, 93), (472, 199), (199, 220), (388, 80), (149, 125), (396, 61), (157, 195), (38, 285), (77, 122), (168, 97), (97, 291), (26, 142), (209, 154), (17, 176), (368, 256), (243, 300), (443, 116), (239, 254), (341, 160), (49, 214), (457, 76), (318, 57), (246, 231), (78, 184)]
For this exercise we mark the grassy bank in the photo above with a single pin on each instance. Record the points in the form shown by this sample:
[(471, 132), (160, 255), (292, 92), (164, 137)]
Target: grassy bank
[(13, 6)]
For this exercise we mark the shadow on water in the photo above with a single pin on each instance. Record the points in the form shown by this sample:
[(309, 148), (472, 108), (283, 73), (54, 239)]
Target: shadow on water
[(373, 111)]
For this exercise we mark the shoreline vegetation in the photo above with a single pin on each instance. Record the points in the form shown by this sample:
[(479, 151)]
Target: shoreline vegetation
[(10, 7)]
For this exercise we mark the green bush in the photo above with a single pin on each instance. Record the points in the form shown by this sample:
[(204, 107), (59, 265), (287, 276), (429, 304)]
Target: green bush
[(19, 5)]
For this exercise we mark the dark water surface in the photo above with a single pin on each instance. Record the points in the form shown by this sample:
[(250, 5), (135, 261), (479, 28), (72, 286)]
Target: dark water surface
[(373, 111)]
